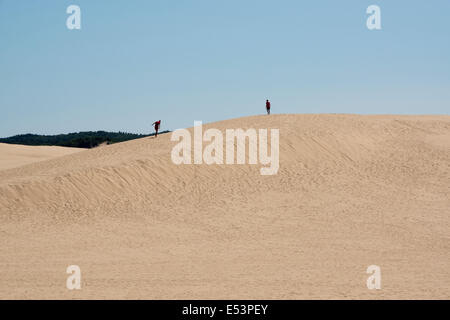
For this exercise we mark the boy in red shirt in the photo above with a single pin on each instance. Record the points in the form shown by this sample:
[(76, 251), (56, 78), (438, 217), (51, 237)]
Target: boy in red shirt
[(268, 106), (156, 124)]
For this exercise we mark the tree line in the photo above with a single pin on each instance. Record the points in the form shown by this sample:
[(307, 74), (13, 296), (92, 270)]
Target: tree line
[(86, 139)]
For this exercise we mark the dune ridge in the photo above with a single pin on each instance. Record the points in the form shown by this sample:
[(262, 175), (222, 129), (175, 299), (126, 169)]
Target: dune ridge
[(351, 191), (13, 156)]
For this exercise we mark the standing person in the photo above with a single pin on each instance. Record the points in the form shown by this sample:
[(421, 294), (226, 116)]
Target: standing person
[(156, 124), (268, 106)]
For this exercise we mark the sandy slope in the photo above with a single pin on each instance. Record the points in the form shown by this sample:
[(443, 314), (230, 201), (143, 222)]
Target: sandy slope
[(12, 155), (351, 191)]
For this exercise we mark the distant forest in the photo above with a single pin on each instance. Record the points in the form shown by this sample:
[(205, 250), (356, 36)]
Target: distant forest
[(88, 139)]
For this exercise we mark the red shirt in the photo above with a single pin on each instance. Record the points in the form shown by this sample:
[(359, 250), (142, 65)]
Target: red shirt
[(267, 104)]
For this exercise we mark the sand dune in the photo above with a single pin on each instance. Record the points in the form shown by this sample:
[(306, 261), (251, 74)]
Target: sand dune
[(351, 191), (13, 156)]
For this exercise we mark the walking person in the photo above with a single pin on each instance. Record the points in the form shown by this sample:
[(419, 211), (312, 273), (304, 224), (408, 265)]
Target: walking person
[(268, 106), (156, 124)]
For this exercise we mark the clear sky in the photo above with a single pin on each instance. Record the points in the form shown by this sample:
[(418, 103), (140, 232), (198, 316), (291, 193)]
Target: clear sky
[(134, 62)]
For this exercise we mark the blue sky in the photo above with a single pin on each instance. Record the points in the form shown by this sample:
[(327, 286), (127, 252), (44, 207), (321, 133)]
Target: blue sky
[(134, 62)]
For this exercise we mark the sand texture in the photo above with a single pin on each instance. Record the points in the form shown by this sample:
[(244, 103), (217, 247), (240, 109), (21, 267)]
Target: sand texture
[(351, 191), (13, 156)]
